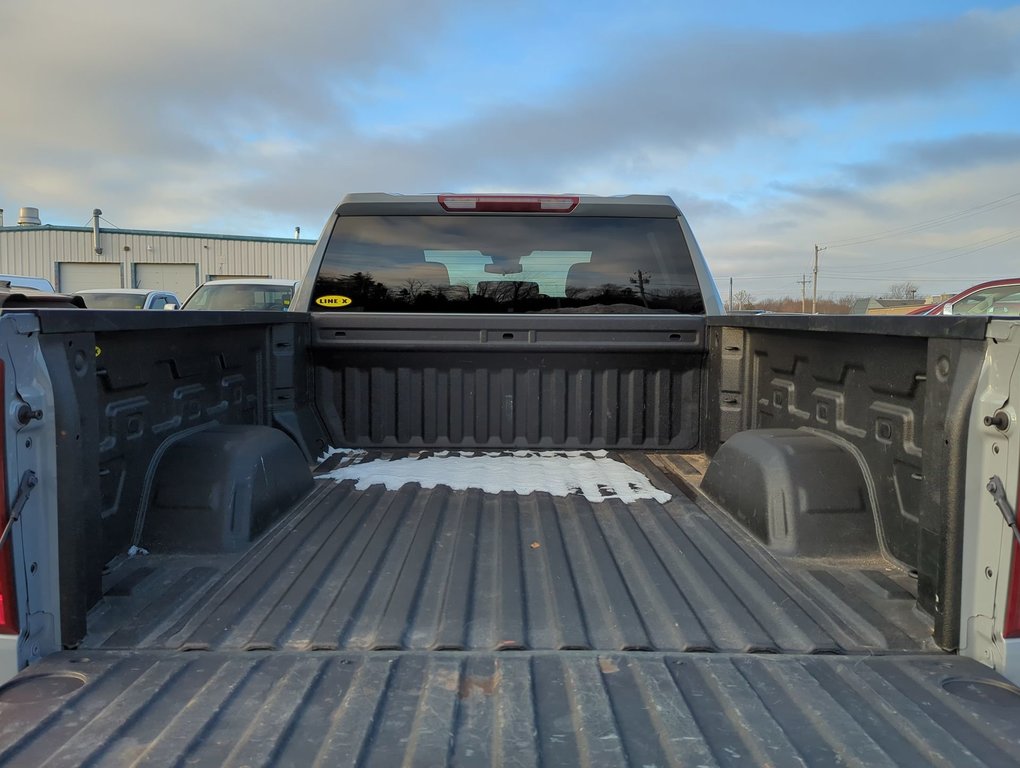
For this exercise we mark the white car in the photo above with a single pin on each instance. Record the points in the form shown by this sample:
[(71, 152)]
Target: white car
[(128, 298), (250, 294)]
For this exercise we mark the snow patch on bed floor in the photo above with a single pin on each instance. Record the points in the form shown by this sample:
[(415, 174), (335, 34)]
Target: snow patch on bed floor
[(559, 473), (352, 452)]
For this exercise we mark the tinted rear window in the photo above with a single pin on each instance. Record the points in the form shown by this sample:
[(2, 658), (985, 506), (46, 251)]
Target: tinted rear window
[(232, 296), (498, 264), (114, 300)]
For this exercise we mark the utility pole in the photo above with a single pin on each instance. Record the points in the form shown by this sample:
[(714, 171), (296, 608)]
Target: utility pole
[(814, 289), (731, 295), (803, 292)]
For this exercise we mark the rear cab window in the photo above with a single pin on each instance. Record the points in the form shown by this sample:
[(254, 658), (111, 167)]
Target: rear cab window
[(493, 264), (114, 300), (232, 296)]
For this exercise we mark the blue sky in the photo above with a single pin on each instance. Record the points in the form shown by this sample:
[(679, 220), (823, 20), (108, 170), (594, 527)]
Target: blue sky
[(774, 126)]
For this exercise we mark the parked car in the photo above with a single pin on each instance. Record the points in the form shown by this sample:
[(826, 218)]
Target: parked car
[(253, 294), (23, 296), (996, 297), (26, 281), (128, 298)]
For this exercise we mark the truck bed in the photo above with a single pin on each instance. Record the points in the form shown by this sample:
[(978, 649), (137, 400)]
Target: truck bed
[(428, 627), (420, 569)]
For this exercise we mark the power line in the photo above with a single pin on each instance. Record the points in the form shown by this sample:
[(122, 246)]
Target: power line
[(725, 276), (803, 292), (907, 277), (814, 288), (1002, 202), (1001, 239), (920, 261), (791, 292), (910, 261), (897, 264)]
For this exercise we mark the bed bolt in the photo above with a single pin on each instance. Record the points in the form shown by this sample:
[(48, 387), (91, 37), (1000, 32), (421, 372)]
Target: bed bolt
[(26, 413), (1000, 421)]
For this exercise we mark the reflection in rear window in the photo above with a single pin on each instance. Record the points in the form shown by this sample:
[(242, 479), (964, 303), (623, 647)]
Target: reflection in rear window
[(497, 264)]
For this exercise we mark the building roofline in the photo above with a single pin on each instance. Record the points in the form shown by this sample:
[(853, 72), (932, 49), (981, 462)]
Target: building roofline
[(158, 233)]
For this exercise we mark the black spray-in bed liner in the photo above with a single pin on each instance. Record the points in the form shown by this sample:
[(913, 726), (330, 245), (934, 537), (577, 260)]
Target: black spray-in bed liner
[(514, 708), (466, 570)]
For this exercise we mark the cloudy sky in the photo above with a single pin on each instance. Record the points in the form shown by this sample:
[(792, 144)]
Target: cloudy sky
[(888, 132)]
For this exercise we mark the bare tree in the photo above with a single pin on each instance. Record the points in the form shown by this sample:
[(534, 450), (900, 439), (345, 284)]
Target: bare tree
[(840, 305), (846, 301), (507, 291), (413, 288), (904, 290), (742, 300)]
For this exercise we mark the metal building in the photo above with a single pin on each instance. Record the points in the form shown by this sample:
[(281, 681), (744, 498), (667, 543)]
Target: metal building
[(76, 258)]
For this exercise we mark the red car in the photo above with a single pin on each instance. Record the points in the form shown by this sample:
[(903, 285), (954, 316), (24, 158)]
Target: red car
[(996, 297)]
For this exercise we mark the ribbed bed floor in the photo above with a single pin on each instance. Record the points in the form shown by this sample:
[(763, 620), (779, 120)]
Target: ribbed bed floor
[(451, 570), (529, 709)]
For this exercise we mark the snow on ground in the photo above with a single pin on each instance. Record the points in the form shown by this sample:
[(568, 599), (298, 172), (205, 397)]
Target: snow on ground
[(560, 473)]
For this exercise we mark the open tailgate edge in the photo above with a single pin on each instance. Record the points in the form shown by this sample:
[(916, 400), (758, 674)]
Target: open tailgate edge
[(512, 708)]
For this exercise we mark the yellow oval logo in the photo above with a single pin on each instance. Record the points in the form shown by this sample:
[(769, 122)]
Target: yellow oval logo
[(98, 351), (332, 301)]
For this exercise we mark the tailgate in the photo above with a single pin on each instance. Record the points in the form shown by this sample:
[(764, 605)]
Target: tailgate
[(510, 708)]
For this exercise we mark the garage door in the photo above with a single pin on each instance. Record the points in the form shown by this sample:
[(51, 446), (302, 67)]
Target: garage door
[(79, 276), (181, 279)]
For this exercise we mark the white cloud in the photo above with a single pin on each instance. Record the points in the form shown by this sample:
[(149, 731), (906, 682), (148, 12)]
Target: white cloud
[(946, 256), (248, 117)]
